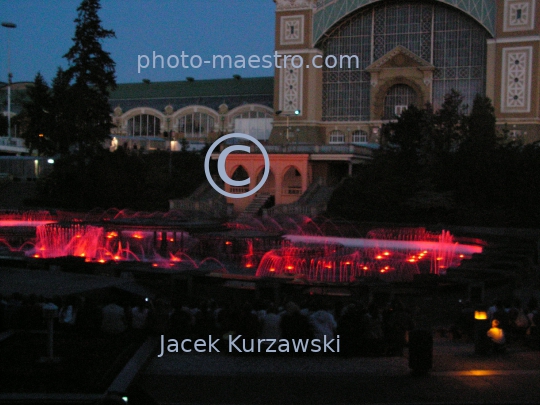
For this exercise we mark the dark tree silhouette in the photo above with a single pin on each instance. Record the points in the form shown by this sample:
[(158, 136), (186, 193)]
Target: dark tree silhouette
[(91, 73), (36, 118)]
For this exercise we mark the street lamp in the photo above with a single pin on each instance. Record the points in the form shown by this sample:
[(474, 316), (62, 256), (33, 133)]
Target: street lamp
[(9, 25)]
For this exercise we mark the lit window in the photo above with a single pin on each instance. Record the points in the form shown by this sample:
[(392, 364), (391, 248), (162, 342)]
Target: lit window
[(337, 137), (399, 109), (359, 136)]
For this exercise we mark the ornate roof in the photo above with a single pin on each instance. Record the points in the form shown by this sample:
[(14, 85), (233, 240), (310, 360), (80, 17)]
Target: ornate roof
[(328, 12)]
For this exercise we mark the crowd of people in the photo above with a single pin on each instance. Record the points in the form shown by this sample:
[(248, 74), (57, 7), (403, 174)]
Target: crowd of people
[(364, 329)]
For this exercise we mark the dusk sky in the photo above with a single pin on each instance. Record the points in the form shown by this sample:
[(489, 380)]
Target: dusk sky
[(205, 27)]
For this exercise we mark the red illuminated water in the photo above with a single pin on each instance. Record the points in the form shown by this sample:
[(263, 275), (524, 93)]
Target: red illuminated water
[(315, 251), (338, 259)]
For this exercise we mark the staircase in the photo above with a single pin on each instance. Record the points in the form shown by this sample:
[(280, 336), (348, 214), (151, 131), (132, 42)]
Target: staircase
[(313, 201), (254, 206), (203, 199)]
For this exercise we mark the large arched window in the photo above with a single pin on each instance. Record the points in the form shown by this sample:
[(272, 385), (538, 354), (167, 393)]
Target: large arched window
[(144, 125), (255, 123), (453, 42), (196, 125), (398, 98)]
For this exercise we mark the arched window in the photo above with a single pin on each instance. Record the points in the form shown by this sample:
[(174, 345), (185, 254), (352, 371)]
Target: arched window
[(196, 125), (337, 137), (292, 182), (398, 98), (144, 125), (359, 136), (255, 123), (240, 174)]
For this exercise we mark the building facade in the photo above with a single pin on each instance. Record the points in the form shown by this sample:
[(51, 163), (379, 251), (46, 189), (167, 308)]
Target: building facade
[(401, 53), (346, 67)]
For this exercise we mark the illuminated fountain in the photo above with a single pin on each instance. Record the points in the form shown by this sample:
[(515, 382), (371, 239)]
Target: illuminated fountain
[(25, 219), (316, 250), (163, 249), (338, 259)]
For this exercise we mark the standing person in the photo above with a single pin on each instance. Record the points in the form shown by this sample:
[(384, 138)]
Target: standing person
[(270, 322), (293, 324), (114, 319), (323, 324), (139, 316)]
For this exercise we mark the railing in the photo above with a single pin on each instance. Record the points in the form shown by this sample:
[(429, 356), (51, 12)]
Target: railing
[(314, 149), (293, 190), (216, 207), (239, 190)]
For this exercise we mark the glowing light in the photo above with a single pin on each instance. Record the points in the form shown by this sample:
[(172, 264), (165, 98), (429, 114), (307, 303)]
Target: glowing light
[(365, 268), (137, 236), (82, 255), (328, 266), (101, 260), (347, 263), (111, 235), (378, 257), (386, 253), (480, 315), (228, 243), (117, 258), (412, 260), (154, 265), (249, 265), (439, 259), (272, 269), (36, 256), (383, 270), (290, 267), (461, 256)]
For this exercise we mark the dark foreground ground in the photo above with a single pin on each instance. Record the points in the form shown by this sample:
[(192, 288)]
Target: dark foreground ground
[(458, 376)]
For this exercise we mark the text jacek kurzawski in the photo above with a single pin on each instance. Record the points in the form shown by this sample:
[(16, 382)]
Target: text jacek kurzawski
[(238, 344)]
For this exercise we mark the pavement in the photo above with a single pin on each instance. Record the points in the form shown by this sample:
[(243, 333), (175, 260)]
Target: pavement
[(458, 376)]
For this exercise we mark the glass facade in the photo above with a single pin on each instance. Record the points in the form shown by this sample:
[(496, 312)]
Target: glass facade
[(144, 125), (254, 123), (447, 38), (196, 125)]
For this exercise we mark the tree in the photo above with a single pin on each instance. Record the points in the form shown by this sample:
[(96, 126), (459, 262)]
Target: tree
[(37, 118), (449, 122), (91, 72), (62, 105), (481, 137)]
